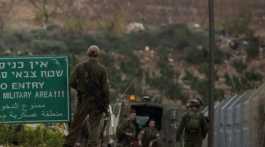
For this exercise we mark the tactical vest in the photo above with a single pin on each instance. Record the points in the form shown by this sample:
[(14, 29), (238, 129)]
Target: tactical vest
[(193, 122)]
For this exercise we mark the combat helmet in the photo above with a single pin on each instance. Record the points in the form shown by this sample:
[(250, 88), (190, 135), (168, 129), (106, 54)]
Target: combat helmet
[(194, 102), (93, 51)]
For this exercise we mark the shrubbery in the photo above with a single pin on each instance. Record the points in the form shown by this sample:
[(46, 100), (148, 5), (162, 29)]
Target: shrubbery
[(23, 136), (192, 46), (246, 81), (252, 47), (239, 66), (48, 46), (56, 40)]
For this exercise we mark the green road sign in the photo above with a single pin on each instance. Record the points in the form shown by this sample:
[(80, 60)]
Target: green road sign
[(34, 89)]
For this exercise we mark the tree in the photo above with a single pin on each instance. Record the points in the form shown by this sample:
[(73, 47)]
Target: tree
[(82, 15), (6, 7), (45, 9)]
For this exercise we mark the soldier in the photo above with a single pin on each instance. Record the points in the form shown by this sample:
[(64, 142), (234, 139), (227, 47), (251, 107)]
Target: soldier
[(193, 125), (149, 135), (126, 132), (89, 79)]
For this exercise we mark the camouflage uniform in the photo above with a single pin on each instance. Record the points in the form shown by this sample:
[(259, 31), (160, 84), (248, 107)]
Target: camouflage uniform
[(128, 126), (193, 137), (148, 135), (90, 81)]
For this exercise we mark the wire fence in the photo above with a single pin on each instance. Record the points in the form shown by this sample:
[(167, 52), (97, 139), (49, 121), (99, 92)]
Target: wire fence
[(240, 120)]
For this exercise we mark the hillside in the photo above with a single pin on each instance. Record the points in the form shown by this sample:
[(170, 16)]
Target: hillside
[(164, 54), (168, 61), (32, 13)]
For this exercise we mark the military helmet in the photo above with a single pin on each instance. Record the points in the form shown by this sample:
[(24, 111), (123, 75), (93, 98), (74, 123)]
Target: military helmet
[(194, 102), (199, 99), (93, 51)]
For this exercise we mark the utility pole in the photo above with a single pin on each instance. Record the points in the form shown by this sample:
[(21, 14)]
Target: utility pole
[(211, 72)]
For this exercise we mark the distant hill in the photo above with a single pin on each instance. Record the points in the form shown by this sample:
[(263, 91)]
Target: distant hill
[(29, 13)]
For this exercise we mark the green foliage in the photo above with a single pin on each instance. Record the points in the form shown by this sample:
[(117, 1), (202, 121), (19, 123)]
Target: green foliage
[(240, 24), (194, 56), (27, 136), (116, 26), (131, 66), (174, 90), (6, 133), (253, 76), (201, 86), (250, 79), (234, 82), (38, 34), (246, 81), (200, 55), (13, 40), (240, 66), (74, 25), (169, 88), (188, 78), (79, 45), (170, 37), (174, 39), (128, 67), (253, 47), (179, 34), (204, 68), (48, 46), (166, 82)]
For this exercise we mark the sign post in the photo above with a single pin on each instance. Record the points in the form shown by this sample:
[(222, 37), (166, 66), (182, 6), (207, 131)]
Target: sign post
[(34, 89)]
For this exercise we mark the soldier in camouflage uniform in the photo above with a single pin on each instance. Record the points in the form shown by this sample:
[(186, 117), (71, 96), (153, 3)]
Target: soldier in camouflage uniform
[(149, 135), (193, 125), (90, 81), (127, 131)]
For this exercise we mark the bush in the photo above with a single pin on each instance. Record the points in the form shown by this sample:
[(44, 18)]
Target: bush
[(6, 134), (239, 25), (253, 47), (204, 68), (253, 76), (77, 46), (202, 87), (48, 46), (195, 56), (240, 66), (74, 25), (234, 82), (27, 136), (39, 34), (14, 40)]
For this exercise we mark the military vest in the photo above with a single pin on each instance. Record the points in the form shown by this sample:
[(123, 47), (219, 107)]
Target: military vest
[(194, 122)]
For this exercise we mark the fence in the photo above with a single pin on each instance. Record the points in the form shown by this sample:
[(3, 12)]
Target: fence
[(240, 120)]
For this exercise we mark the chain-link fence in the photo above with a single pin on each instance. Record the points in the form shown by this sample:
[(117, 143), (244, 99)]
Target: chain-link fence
[(240, 120)]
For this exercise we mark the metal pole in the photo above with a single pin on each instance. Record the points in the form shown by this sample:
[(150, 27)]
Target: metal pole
[(211, 72)]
